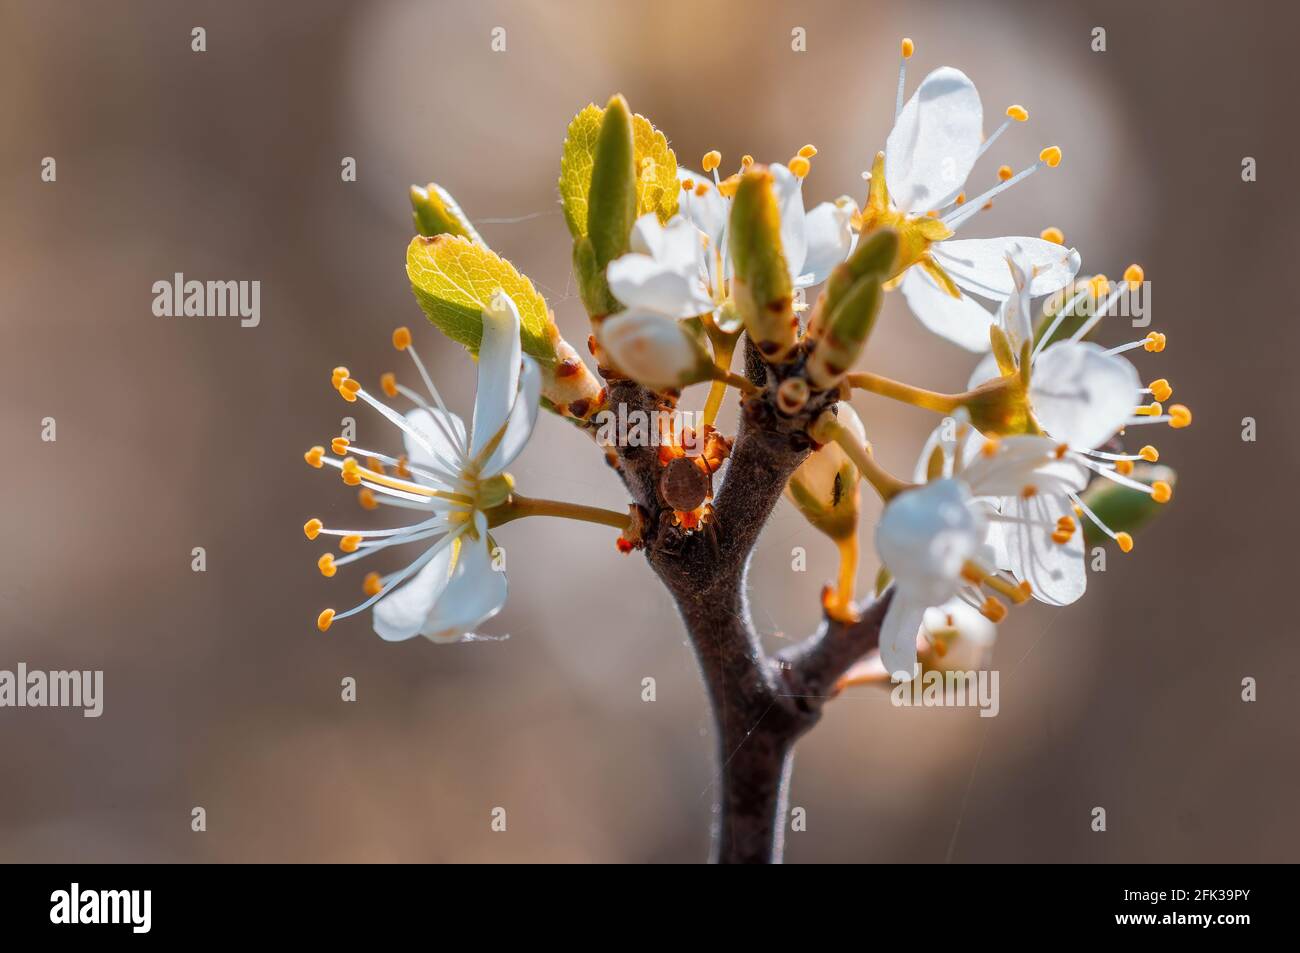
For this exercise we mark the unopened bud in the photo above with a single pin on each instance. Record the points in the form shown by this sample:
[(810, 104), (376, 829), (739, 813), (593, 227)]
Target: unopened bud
[(762, 288)]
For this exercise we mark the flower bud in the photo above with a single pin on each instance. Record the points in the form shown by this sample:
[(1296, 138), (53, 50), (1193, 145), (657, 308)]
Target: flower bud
[(654, 351), (825, 487), (846, 317), (762, 288), (611, 208)]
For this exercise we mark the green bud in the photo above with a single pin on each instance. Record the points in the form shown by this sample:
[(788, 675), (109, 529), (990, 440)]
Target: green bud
[(435, 212), (762, 287), (611, 203), (1123, 509), (842, 334), (874, 254)]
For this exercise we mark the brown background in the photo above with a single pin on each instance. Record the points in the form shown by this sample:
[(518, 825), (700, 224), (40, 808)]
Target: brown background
[(175, 433)]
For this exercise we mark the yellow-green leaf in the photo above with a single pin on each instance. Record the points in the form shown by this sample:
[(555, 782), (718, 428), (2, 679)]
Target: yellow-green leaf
[(453, 279), (656, 166)]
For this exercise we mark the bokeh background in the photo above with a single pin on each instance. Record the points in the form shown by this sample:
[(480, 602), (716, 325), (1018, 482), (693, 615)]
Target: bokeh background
[(176, 433)]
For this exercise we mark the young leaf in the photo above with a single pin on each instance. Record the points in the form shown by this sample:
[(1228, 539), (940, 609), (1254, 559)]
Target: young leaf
[(436, 213), (454, 279)]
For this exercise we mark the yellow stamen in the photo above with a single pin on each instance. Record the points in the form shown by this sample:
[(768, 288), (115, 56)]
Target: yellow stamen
[(371, 585), (338, 376), (1155, 342), (348, 389), (1149, 453), (1123, 467), (711, 160), (702, 190), (1161, 491), (388, 383), (1180, 417), (1028, 492), (800, 167), (1100, 286), (1160, 389), (314, 455), (1125, 542), (993, 610), (1061, 450), (1152, 409), (402, 338), (1051, 156), (326, 565), (340, 445), (808, 151), (366, 497), (1134, 275), (374, 464), (990, 447), (1004, 172), (1052, 234), (324, 620), (349, 544), (908, 47), (312, 527), (746, 161), (1018, 113)]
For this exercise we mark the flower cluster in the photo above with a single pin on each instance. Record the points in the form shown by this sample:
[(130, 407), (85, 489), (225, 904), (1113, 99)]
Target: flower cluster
[(676, 268)]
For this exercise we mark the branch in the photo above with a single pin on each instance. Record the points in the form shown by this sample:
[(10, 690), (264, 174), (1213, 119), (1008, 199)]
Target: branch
[(813, 667)]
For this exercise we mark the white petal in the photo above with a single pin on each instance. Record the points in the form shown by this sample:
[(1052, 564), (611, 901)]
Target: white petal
[(898, 634), (434, 425), (1080, 394), (941, 435), (829, 239), (649, 348), (934, 142), (519, 425), (1025, 461), (960, 320), (1055, 571), (979, 265), (707, 212), (668, 276), (925, 536), (498, 370), (400, 614), (788, 189), (967, 635), (475, 593)]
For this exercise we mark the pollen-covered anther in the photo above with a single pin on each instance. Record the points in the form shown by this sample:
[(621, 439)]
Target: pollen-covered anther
[(366, 497), (1064, 531), (325, 619), (401, 469), (1152, 409), (388, 383), (993, 610), (1123, 467), (350, 472), (1005, 172), (1051, 156), (1124, 541), (1155, 342), (808, 151), (311, 529), (402, 338), (315, 456), (1134, 275), (799, 167), (372, 585), (340, 445), (1099, 285), (374, 465), (348, 389), (712, 159), (326, 565), (1161, 491), (1061, 450), (1149, 453), (350, 543), (746, 161), (1028, 492), (338, 376), (1018, 113), (1161, 389), (1179, 417), (1052, 234)]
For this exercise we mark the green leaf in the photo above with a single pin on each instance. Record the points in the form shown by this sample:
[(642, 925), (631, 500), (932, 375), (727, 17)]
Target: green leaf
[(611, 200), (1121, 508), (453, 279), (655, 165), (436, 213)]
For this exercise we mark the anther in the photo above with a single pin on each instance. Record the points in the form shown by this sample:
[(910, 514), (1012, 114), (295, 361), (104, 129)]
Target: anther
[(1179, 417), (326, 565), (340, 445), (1052, 234), (1161, 491), (1051, 156), (1099, 285), (388, 383), (1152, 409), (908, 47), (808, 151), (1123, 467), (993, 610), (1155, 342), (324, 620), (711, 160), (338, 376), (349, 544), (1124, 541), (1018, 113), (1160, 389), (402, 338), (1149, 453), (1004, 172), (371, 585), (800, 167), (1061, 450), (348, 389), (314, 455), (1134, 275), (366, 497), (312, 528), (990, 447), (746, 161)]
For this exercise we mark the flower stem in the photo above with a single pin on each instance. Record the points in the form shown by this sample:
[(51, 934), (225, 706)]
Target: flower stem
[(897, 390), (840, 605), (517, 507), (724, 347)]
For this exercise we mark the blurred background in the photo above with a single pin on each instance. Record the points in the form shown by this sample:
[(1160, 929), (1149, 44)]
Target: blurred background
[(182, 432)]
